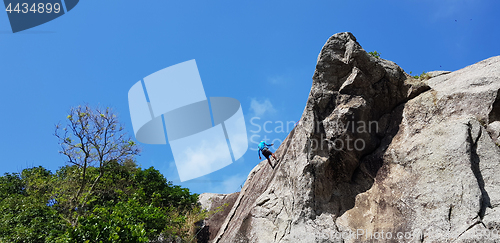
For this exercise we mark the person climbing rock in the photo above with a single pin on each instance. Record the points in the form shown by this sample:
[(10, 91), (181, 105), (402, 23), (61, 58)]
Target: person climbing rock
[(264, 147)]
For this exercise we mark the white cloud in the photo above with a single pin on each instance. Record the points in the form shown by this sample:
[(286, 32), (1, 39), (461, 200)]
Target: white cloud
[(237, 140), (224, 185), (201, 158), (171, 172), (260, 108), (443, 11), (233, 183), (230, 184), (276, 80), (453, 9)]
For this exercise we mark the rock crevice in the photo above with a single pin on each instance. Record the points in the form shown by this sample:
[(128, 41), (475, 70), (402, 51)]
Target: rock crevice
[(377, 150)]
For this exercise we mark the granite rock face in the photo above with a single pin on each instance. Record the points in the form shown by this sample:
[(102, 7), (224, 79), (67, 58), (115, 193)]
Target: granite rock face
[(378, 153), (221, 204)]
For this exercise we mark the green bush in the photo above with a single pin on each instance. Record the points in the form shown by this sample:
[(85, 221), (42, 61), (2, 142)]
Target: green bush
[(124, 222), (422, 76), (374, 54), (27, 219), (129, 205)]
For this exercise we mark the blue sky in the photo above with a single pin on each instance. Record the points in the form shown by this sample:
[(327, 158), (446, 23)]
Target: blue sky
[(262, 53)]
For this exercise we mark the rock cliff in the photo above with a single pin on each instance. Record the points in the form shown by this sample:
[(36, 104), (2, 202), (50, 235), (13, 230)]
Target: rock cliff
[(380, 155)]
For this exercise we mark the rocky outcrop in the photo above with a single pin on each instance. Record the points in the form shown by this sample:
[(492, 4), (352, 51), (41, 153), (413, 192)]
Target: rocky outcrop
[(439, 177), (220, 205), (378, 153)]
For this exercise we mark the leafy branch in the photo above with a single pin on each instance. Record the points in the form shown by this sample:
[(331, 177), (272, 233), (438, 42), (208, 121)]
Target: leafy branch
[(93, 137)]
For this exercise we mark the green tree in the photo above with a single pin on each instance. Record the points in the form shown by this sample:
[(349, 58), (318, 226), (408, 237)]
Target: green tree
[(93, 137), (160, 192), (25, 211), (11, 184), (128, 205), (101, 195)]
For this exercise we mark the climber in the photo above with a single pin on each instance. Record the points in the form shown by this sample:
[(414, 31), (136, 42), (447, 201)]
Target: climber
[(263, 146)]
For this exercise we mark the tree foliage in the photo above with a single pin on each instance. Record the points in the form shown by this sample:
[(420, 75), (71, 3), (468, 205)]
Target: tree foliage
[(130, 204), (101, 195), (93, 137)]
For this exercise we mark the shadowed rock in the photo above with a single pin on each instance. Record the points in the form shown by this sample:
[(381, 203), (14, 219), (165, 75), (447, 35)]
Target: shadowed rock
[(377, 150)]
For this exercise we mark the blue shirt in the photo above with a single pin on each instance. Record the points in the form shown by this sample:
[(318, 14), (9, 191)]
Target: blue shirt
[(262, 145)]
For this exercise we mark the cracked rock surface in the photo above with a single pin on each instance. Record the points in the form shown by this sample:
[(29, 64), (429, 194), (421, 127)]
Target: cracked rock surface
[(379, 151)]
